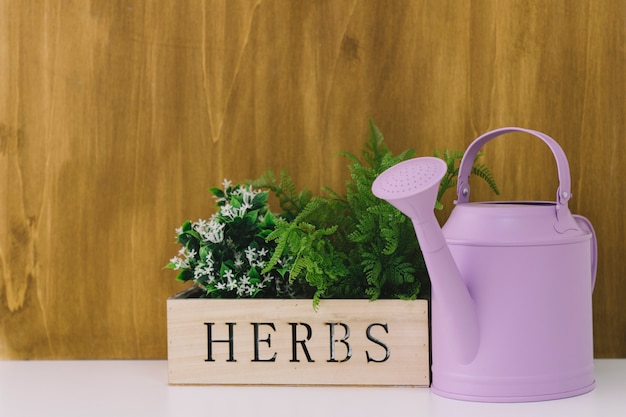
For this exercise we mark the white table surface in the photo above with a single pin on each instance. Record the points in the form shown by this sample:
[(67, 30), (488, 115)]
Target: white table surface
[(139, 388)]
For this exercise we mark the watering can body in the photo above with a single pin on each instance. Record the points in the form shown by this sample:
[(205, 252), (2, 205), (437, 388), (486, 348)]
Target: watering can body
[(531, 288), (511, 284)]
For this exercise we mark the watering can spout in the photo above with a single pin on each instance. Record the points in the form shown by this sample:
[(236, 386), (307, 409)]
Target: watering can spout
[(411, 186)]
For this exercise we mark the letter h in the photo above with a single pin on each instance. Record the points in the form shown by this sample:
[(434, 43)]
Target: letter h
[(230, 341)]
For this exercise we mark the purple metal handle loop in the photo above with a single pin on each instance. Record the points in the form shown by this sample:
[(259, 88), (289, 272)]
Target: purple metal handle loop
[(563, 192)]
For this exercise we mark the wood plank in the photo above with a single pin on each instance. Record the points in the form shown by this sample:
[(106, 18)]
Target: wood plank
[(115, 118), (344, 342)]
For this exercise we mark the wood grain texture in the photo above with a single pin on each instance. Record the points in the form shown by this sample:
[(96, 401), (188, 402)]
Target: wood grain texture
[(116, 116), (382, 343)]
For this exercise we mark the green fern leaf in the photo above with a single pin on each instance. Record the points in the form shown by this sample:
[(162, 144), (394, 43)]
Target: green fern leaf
[(483, 172)]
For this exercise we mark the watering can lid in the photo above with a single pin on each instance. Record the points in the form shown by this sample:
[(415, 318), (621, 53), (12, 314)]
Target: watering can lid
[(518, 223)]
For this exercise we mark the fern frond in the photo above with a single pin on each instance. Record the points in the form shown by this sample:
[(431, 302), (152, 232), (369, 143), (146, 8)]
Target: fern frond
[(309, 210), (290, 200), (333, 194), (352, 157), (390, 236), (374, 145), (281, 235), (266, 180), (481, 171), (452, 159), (287, 185)]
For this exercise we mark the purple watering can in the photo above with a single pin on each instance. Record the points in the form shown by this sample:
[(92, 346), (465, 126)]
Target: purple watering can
[(511, 284)]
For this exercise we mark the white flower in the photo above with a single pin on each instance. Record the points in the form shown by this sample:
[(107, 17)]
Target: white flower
[(220, 286), (245, 280), (179, 263), (241, 290), (228, 274), (208, 258), (198, 273), (182, 260), (215, 232), (251, 290), (226, 183), (200, 225), (229, 211), (211, 231), (250, 254)]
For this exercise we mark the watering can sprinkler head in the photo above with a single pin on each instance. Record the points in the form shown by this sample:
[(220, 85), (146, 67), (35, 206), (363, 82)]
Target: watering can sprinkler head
[(411, 187)]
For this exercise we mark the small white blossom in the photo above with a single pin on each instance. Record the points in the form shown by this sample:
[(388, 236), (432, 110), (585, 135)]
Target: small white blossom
[(198, 273), (245, 280), (228, 211), (179, 263), (250, 254), (250, 290), (241, 290), (238, 260), (228, 274), (200, 225), (215, 232), (231, 284)]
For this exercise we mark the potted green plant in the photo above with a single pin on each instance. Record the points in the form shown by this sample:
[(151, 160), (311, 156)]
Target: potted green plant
[(253, 270)]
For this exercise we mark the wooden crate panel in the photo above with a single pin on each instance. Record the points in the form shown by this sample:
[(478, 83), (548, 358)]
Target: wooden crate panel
[(286, 342)]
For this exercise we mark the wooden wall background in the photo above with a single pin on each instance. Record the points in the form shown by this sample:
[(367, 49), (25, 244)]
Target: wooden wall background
[(116, 116)]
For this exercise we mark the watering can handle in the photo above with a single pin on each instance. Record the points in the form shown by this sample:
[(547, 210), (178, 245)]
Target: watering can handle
[(565, 220), (564, 191)]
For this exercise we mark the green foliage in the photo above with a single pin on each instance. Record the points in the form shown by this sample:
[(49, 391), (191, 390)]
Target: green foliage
[(355, 245), (337, 245), (227, 254), (314, 256), (382, 240), (292, 202), (452, 158)]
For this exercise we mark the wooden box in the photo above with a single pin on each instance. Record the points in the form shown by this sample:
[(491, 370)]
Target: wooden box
[(287, 342)]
